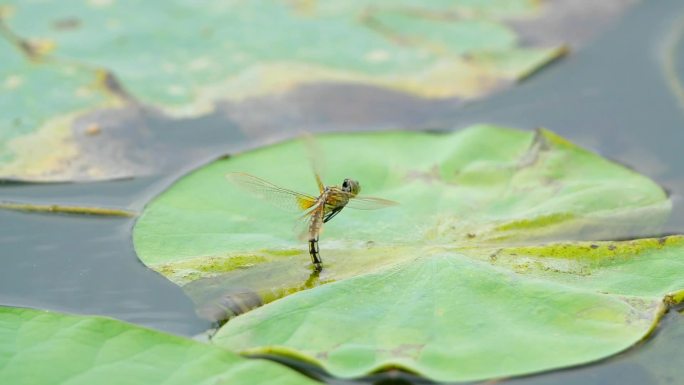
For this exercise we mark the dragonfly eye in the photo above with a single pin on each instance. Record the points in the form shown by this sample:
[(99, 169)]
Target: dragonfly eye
[(351, 186)]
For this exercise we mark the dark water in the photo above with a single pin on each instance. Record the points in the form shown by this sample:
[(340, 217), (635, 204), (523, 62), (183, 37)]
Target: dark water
[(614, 96)]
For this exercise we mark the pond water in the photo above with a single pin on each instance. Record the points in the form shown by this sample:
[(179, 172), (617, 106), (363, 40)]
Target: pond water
[(620, 96)]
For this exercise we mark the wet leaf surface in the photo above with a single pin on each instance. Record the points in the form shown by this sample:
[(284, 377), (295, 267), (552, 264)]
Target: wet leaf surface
[(462, 249), (454, 317), (41, 347)]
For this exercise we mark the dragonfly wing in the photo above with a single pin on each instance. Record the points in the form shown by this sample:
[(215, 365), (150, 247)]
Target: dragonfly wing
[(316, 222), (271, 193), (319, 181), (369, 203), (303, 226), (315, 157)]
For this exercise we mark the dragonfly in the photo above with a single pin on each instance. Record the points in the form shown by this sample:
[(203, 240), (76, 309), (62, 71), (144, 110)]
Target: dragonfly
[(315, 210)]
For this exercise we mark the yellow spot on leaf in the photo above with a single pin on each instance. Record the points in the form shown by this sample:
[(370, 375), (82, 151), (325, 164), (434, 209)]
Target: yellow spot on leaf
[(42, 47), (13, 82), (176, 90), (6, 11), (377, 56), (51, 147), (93, 129), (200, 64), (100, 3)]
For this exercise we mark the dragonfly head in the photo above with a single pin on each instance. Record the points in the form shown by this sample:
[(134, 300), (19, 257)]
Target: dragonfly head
[(351, 186)]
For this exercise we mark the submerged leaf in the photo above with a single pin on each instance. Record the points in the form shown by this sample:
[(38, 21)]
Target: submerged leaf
[(66, 209), (41, 347)]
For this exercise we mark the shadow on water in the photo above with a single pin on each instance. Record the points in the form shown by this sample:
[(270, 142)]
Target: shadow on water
[(620, 96)]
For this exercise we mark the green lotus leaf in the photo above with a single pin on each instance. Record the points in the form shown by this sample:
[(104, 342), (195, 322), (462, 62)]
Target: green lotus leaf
[(259, 47), (481, 187), (39, 101), (63, 60), (41, 347), (481, 253), (461, 315)]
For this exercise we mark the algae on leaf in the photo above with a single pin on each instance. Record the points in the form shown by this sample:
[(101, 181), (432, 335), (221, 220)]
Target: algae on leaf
[(460, 315), (480, 186), (479, 273), (42, 347)]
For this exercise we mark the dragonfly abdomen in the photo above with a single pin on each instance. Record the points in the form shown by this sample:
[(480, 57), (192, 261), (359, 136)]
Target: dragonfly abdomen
[(313, 251), (315, 224)]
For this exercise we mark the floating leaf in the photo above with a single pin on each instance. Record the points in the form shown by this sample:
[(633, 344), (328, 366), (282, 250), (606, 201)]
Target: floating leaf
[(463, 316), (41, 347), (465, 280), (434, 285), (80, 57), (257, 47), (40, 101), (478, 186)]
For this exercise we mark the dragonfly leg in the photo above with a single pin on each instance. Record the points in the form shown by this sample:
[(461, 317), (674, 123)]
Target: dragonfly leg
[(315, 255)]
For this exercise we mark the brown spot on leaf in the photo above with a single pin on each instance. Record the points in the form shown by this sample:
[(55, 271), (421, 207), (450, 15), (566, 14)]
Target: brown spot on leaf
[(407, 350), (430, 176), (33, 49), (538, 145), (93, 129), (66, 24), (111, 84), (594, 246), (369, 20), (670, 300), (495, 255)]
